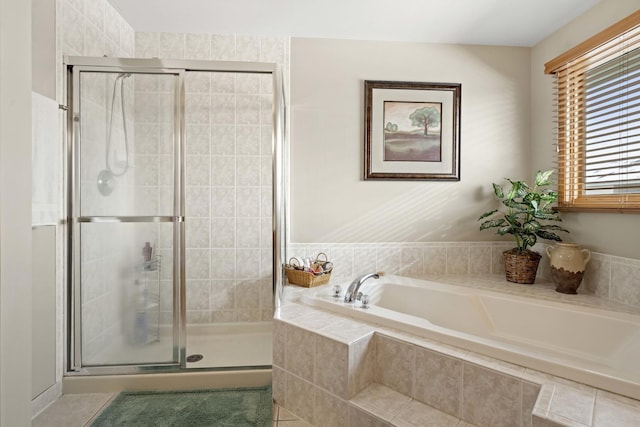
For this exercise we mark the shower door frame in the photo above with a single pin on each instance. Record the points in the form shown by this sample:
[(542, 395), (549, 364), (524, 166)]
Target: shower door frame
[(73, 353)]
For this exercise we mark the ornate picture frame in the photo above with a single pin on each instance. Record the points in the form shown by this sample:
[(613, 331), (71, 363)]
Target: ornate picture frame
[(412, 130)]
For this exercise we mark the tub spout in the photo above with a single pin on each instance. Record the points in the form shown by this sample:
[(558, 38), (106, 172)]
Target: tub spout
[(352, 290)]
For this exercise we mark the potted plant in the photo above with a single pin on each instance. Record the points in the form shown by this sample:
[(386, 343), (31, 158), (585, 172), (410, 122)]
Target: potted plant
[(527, 215)]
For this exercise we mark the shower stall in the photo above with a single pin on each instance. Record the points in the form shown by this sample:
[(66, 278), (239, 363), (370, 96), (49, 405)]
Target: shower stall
[(175, 213)]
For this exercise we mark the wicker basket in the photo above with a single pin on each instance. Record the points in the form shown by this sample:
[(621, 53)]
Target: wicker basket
[(297, 276), (521, 267)]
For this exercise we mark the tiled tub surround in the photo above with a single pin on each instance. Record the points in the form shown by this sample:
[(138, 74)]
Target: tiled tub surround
[(335, 370), (611, 278), (590, 345)]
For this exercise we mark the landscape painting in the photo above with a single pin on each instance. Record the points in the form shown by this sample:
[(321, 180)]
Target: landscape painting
[(412, 131)]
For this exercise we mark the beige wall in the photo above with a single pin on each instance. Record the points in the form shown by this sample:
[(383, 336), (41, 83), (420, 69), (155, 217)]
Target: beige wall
[(43, 47), (15, 213), (615, 234), (330, 201)]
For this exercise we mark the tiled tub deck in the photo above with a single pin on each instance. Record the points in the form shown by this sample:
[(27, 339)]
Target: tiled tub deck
[(332, 370)]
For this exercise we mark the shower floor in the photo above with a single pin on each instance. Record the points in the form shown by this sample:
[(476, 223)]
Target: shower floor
[(230, 345), (221, 346)]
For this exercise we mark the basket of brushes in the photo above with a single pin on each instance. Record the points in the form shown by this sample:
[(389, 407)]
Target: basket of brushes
[(310, 274)]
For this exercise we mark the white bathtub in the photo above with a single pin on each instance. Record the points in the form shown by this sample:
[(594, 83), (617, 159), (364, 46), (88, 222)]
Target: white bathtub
[(592, 346)]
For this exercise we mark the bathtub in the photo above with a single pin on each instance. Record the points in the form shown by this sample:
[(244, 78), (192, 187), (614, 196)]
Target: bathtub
[(596, 347)]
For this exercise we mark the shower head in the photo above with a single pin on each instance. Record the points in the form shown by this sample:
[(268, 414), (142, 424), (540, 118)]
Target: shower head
[(106, 177)]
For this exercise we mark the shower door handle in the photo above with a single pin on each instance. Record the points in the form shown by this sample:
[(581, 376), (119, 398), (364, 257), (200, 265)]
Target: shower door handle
[(112, 219)]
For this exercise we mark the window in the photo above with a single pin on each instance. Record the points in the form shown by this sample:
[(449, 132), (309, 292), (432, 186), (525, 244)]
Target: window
[(598, 120)]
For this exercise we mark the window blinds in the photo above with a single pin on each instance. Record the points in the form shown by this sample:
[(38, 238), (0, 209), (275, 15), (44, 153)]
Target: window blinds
[(598, 119)]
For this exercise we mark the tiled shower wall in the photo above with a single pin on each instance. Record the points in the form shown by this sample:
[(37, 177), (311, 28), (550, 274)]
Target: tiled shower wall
[(90, 28), (227, 175)]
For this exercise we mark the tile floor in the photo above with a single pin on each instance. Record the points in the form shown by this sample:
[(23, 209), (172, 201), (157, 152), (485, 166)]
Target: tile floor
[(79, 410)]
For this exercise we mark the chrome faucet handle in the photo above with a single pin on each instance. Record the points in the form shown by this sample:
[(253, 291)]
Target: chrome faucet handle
[(337, 290), (359, 296), (351, 295), (365, 301)]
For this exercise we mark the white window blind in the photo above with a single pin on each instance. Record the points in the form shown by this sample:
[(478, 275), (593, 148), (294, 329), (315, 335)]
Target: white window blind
[(612, 126)]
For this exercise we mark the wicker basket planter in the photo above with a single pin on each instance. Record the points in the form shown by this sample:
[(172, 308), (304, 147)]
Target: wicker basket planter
[(525, 212), (521, 266)]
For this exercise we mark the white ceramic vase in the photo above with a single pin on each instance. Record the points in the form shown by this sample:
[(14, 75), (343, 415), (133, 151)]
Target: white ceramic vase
[(568, 263)]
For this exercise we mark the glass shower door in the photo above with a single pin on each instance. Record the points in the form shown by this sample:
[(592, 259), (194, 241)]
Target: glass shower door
[(125, 217)]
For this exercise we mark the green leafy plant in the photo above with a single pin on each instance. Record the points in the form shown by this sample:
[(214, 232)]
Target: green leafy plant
[(528, 212)]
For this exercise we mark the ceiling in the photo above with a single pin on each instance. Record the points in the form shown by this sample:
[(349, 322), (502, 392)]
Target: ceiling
[(488, 22)]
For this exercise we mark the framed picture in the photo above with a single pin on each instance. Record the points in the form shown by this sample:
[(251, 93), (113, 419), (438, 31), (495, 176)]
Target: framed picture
[(412, 130)]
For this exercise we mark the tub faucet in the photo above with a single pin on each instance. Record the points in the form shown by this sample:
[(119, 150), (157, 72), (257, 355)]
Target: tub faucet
[(352, 290)]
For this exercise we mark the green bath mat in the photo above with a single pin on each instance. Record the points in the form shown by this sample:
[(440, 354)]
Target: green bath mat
[(238, 407)]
